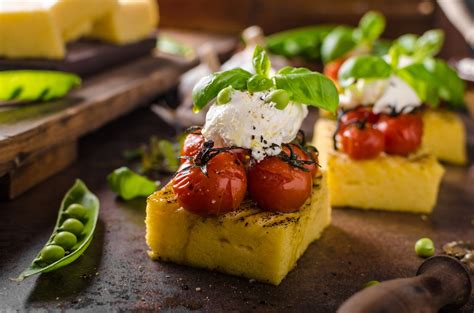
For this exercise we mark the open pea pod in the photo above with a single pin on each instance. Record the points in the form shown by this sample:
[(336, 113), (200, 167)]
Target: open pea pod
[(78, 218)]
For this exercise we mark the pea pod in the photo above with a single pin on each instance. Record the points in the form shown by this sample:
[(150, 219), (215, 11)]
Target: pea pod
[(50, 257)]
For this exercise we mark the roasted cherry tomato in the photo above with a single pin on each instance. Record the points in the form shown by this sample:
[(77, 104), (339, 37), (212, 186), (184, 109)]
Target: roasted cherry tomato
[(309, 155), (360, 114), (192, 144), (278, 186), (331, 69), (402, 133), (361, 141), (221, 191)]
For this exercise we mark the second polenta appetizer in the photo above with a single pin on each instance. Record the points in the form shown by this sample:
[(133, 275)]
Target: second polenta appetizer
[(374, 152), (249, 196)]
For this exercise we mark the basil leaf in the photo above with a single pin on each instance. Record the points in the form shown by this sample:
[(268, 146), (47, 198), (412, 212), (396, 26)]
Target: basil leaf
[(261, 62), (363, 66), (372, 25), (337, 43), (429, 44), (79, 194), (208, 87), (451, 87), (305, 42), (381, 47), (259, 83), (128, 184), (308, 88), (422, 81), (32, 85), (406, 43)]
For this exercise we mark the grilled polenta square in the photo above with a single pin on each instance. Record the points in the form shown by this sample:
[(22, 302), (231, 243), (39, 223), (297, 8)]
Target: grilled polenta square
[(247, 242)]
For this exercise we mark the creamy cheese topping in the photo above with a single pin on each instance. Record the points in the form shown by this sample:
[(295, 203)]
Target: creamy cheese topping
[(248, 122), (363, 92), (398, 96)]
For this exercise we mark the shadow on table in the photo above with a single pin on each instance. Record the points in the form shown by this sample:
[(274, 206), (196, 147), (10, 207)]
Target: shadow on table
[(73, 278)]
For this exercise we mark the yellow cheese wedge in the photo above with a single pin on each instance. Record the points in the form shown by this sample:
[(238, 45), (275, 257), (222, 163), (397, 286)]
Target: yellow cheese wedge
[(29, 29), (130, 21), (444, 136), (390, 183), (248, 242), (75, 17)]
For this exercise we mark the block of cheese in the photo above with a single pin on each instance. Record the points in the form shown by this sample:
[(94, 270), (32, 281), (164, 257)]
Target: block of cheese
[(74, 18), (29, 29), (388, 182), (130, 21), (248, 242)]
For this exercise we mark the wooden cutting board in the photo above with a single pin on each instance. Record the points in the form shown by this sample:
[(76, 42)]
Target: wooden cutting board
[(47, 132)]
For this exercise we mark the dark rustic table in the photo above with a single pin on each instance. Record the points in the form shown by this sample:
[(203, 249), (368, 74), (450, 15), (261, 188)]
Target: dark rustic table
[(115, 273)]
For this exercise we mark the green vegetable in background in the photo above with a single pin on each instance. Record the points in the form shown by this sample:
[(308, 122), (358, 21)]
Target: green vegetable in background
[(64, 248), (305, 42), (344, 39), (302, 85), (364, 66), (371, 26), (424, 247), (128, 184), (167, 44), (208, 87), (451, 87), (419, 48), (32, 85), (425, 85), (339, 42)]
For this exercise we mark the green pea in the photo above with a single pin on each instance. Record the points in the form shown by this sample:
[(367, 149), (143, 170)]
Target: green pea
[(424, 247), (371, 283), (225, 95), (73, 225), (65, 239), (76, 210), (280, 97), (52, 253)]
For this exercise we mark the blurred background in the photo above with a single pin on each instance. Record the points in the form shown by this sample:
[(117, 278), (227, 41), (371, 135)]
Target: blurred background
[(403, 16)]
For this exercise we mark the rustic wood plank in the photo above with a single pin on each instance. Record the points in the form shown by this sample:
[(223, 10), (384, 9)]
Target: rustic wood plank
[(101, 99), (35, 168)]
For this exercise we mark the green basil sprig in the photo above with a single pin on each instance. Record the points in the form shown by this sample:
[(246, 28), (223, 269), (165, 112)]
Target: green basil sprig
[(364, 66), (128, 184), (419, 48), (208, 87), (33, 85), (344, 39), (432, 80), (299, 42), (310, 88), (77, 219), (302, 85)]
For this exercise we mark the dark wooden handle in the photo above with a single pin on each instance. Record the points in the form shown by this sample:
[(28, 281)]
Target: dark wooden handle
[(441, 282)]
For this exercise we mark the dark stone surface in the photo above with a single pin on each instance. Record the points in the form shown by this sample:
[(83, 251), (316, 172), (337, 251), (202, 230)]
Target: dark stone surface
[(115, 273)]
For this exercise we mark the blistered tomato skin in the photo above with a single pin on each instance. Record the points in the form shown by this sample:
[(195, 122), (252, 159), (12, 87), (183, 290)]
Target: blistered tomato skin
[(221, 191), (191, 145), (360, 114), (277, 186), (362, 142), (403, 133)]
